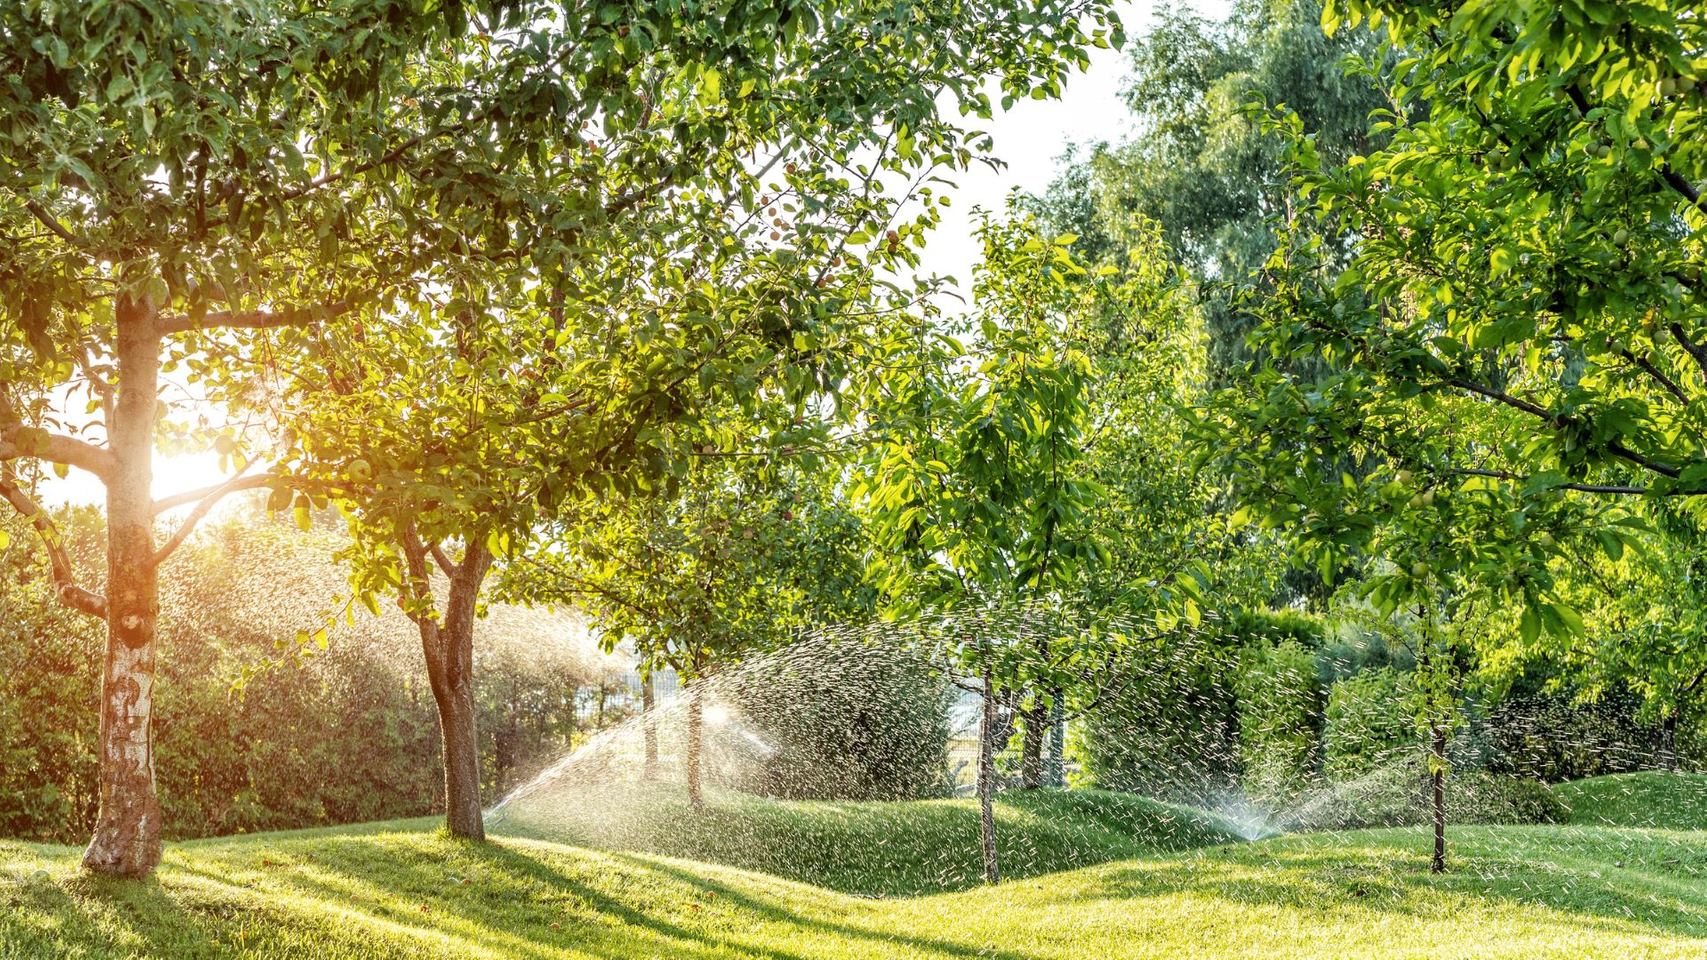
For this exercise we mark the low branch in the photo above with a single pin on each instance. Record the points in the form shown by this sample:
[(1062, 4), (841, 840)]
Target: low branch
[(64, 577), (254, 319), (52, 447)]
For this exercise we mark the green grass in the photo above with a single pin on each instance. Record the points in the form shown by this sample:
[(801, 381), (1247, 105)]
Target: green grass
[(876, 849), (1664, 801), (1566, 891)]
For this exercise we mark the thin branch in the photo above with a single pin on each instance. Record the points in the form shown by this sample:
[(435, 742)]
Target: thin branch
[(47, 220), (442, 560), (202, 507), (64, 576)]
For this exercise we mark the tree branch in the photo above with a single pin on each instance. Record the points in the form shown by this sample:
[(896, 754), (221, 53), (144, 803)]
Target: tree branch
[(64, 577), (254, 319), (202, 507), (52, 447)]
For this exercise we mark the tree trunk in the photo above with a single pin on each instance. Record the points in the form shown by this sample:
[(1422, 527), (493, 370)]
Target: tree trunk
[(126, 842), (1056, 771), (448, 647), (987, 784), (695, 738), (1031, 747), (1668, 742), (649, 727), (1437, 786)]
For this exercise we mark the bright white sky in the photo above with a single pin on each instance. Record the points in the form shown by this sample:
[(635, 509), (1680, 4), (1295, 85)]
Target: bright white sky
[(1030, 138)]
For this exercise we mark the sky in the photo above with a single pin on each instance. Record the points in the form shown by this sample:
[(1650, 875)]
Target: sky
[(1030, 139)]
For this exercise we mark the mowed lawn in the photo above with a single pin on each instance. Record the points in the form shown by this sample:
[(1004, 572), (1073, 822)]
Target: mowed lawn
[(401, 890)]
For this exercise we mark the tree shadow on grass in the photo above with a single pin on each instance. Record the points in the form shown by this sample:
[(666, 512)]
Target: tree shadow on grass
[(515, 894)]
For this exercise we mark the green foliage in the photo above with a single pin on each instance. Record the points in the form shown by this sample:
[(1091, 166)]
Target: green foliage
[(1171, 730), (847, 720), (1367, 723), (51, 675), (1279, 713)]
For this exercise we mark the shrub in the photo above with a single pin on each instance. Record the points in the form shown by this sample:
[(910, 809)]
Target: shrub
[(1171, 730), (1279, 704), (844, 720), (1368, 721), (347, 734)]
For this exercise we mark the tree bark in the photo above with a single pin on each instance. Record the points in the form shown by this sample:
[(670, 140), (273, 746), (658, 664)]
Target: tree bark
[(1668, 742), (126, 841), (1437, 786), (649, 727), (987, 784), (695, 738), (1031, 747), (448, 646)]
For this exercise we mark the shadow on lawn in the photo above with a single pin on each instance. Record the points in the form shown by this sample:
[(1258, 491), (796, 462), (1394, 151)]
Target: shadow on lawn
[(516, 896)]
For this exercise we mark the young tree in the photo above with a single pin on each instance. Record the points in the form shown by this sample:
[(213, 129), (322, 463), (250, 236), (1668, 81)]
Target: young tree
[(750, 551), (977, 490)]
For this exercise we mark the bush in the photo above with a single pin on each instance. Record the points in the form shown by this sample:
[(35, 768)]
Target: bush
[(348, 734), (1368, 721), (1397, 795), (1171, 731), (1549, 736), (844, 720), (1279, 703)]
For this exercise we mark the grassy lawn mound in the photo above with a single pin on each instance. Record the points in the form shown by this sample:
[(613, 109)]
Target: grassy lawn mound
[(401, 889), (1653, 799), (874, 849)]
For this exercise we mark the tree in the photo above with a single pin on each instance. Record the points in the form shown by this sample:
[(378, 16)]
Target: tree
[(976, 489), (1200, 168), (181, 186), (227, 190)]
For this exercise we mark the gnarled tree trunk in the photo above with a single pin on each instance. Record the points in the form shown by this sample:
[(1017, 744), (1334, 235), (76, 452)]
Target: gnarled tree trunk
[(126, 842)]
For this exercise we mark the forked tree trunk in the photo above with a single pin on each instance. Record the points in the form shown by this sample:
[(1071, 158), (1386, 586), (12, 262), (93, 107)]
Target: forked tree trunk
[(448, 646), (649, 727), (987, 784), (126, 841), (1031, 747), (1437, 787), (695, 740)]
